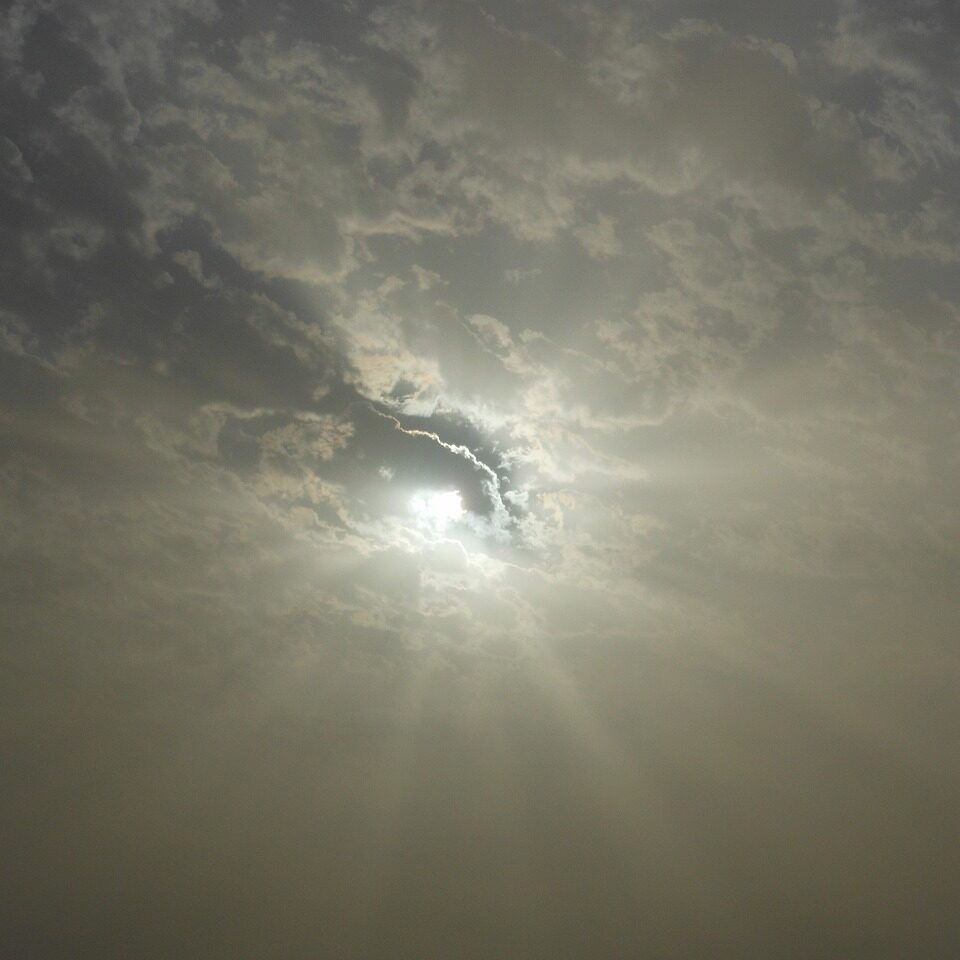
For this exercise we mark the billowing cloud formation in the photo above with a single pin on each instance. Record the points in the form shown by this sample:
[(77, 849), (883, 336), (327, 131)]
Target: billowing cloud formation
[(656, 305)]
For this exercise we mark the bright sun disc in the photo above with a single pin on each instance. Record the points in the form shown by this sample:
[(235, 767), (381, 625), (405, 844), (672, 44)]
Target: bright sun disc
[(438, 508)]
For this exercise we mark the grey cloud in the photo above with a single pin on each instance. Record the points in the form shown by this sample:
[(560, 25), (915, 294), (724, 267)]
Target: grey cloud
[(909, 42), (687, 119), (478, 481)]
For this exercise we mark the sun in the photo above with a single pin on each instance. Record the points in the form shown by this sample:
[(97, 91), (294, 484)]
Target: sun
[(438, 508)]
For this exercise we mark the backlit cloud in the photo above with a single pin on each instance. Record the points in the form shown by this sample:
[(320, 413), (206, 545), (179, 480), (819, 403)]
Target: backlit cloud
[(479, 480)]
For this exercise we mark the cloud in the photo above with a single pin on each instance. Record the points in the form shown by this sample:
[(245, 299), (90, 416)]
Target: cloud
[(599, 239), (666, 298)]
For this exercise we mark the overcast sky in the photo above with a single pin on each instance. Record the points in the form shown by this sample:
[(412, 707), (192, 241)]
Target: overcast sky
[(480, 480)]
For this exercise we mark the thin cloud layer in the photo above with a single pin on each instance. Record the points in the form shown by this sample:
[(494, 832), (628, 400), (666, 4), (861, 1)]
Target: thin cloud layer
[(661, 298)]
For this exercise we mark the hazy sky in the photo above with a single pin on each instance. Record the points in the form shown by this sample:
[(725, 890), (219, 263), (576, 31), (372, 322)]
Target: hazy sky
[(480, 480)]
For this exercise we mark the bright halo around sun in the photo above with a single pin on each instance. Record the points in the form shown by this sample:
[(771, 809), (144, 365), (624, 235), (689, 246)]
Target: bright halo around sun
[(438, 508)]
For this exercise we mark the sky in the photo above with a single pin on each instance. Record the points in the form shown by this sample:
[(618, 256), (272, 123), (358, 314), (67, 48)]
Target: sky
[(479, 480)]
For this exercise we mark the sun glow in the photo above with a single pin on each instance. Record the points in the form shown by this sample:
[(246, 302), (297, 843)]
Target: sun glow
[(438, 508)]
